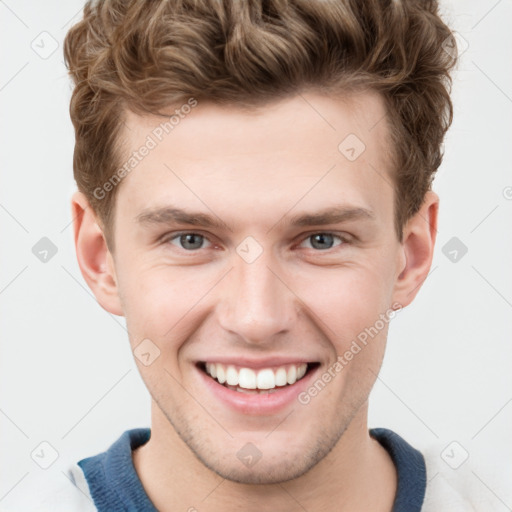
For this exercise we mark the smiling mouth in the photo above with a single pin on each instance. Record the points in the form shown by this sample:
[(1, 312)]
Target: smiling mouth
[(256, 381)]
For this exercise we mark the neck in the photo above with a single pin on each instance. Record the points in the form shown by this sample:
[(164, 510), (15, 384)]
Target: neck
[(357, 475)]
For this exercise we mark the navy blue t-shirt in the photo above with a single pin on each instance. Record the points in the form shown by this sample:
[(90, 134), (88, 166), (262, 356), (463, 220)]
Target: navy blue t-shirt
[(115, 485)]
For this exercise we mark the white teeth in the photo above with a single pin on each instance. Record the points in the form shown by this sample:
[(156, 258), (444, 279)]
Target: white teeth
[(266, 379), (221, 374), (232, 376), (248, 379), (246, 391), (280, 377), (291, 376), (211, 369)]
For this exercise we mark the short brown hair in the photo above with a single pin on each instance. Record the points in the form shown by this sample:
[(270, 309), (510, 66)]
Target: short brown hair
[(147, 55)]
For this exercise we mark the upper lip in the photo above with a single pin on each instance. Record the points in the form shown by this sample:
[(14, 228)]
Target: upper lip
[(258, 363)]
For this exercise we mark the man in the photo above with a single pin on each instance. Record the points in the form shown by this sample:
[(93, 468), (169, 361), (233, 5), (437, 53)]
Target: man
[(255, 199)]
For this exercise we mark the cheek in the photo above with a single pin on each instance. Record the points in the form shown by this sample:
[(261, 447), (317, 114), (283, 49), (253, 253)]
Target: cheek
[(157, 300), (160, 301), (346, 301), (351, 304)]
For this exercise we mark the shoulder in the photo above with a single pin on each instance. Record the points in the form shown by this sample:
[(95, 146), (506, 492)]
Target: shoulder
[(111, 478), (58, 491), (438, 477), (452, 486), (105, 481)]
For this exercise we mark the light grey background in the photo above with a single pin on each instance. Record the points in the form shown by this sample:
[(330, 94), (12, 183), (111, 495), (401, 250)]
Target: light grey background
[(66, 372)]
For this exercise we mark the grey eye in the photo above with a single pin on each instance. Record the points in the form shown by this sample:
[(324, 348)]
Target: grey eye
[(189, 241), (323, 241)]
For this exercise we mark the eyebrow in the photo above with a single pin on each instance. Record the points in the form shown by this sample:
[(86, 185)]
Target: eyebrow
[(332, 215)]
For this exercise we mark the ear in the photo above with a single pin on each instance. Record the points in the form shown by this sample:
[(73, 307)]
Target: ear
[(417, 250), (94, 259)]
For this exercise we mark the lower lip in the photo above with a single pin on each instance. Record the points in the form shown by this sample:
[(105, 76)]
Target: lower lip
[(257, 403)]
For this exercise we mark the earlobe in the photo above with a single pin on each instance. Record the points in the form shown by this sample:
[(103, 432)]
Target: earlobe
[(94, 258), (417, 250)]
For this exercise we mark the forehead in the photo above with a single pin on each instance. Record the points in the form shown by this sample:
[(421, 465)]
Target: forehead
[(309, 117), (308, 149)]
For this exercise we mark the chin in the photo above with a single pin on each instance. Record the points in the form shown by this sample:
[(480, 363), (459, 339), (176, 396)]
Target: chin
[(269, 463), (263, 473)]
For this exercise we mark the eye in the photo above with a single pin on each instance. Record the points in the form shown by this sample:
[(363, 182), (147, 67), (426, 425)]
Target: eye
[(187, 241), (192, 242), (324, 241)]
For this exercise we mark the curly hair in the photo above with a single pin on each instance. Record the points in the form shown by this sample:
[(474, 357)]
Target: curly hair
[(145, 55)]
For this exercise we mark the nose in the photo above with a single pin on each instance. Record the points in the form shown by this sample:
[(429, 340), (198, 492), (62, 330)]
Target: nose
[(257, 303)]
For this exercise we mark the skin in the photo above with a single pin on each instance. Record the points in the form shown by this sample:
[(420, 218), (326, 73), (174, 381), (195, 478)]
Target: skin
[(254, 170)]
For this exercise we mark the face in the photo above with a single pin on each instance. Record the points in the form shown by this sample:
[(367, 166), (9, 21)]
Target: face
[(254, 247)]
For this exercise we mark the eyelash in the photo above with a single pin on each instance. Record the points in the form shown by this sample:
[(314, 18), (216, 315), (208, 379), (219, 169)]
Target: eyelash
[(172, 236)]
